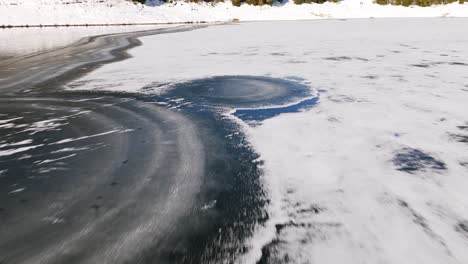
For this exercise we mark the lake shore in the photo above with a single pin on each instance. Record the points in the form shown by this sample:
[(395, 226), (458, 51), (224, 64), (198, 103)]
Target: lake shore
[(123, 12)]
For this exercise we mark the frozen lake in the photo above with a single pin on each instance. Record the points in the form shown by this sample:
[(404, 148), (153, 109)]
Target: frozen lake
[(333, 141)]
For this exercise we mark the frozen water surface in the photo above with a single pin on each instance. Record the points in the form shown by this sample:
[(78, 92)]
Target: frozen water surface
[(375, 99), (388, 90)]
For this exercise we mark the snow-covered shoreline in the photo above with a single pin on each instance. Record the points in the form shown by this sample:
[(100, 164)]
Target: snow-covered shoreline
[(116, 12)]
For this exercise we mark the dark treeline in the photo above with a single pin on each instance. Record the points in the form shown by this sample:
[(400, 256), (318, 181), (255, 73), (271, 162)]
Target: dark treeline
[(251, 2), (417, 2), (298, 2)]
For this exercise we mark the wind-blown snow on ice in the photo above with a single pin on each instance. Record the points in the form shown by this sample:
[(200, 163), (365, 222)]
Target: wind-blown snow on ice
[(392, 94)]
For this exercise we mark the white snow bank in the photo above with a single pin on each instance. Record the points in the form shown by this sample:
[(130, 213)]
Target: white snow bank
[(338, 155), (50, 12)]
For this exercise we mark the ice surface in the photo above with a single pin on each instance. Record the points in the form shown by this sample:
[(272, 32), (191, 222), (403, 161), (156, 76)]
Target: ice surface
[(336, 194), (23, 12)]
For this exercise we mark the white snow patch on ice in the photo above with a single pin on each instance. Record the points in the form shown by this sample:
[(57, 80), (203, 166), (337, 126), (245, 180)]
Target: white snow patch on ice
[(4, 121), (45, 125), (19, 143), (68, 140), (70, 150), (17, 190), (57, 159), (10, 152)]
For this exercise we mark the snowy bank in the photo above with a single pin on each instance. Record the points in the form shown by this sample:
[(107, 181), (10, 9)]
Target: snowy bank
[(73, 12)]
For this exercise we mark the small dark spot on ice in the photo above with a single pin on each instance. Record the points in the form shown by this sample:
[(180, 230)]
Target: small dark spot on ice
[(396, 51), (456, 63), (421, 65), (24, 200), (339, 58), (464, 163), (411, 160), (462, 227), (278, 54), (437, 63), (279, 227), (125, 161), (402, 203), (113, 183), (361, 59), (463, 128), (296, 61), (372, 77), (442, 119), (230, 53), (259, 162), (396, 76), (341, 98), (99, 197), (290, 191), (95, 206), (443, 55), (312, 209)]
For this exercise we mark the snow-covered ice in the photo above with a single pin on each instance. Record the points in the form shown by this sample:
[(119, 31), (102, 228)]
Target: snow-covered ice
[(35, 12), (392, 93)]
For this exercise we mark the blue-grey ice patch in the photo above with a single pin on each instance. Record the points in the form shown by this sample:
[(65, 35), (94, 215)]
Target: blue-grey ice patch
[(412, 160), (253, 98)]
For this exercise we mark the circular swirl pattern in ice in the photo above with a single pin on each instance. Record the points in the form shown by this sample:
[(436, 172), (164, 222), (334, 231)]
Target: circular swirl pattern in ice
[(241, 90)]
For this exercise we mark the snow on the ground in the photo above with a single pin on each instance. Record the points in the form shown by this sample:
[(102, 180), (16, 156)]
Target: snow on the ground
[(50, 12), (389, 89)]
